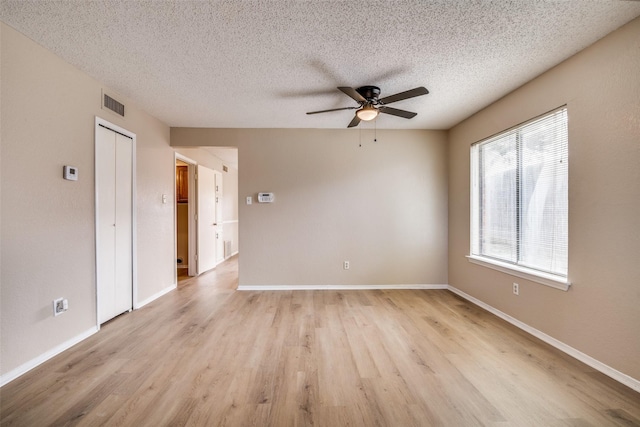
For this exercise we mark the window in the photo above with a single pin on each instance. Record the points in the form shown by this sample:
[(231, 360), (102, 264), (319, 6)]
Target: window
[(519, 198)]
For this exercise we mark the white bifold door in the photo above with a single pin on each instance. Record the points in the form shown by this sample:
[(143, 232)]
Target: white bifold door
[(114, 218)]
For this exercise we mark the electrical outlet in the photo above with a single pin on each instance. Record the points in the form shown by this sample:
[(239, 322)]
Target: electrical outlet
[(516, 289), (345, 265), (58, 306)]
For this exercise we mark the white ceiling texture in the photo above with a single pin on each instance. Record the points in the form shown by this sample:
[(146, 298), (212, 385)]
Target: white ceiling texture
[(263, 64)]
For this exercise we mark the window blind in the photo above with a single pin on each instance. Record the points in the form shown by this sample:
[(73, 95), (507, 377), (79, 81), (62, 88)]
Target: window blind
[(520, 195)]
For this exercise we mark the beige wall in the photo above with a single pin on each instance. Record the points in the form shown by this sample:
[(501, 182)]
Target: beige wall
[(48, 242), (600, 314), (382, 206)]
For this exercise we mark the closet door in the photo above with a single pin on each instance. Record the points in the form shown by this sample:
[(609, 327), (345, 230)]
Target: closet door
[(114, 153)]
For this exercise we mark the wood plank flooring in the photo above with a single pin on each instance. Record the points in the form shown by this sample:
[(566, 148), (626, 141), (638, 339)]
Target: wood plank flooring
[(208, 355)]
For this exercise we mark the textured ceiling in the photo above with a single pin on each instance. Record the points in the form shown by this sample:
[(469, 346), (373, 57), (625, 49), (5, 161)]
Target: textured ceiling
[(256, 64)]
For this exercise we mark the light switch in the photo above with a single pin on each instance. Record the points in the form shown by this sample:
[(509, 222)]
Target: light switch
[(249, 200), (164, 199)]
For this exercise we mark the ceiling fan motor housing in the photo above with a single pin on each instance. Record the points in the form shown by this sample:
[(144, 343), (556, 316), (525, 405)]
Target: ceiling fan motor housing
[(369, 92)]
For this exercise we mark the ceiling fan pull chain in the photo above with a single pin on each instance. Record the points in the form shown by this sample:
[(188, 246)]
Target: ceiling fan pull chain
[(375, 131)]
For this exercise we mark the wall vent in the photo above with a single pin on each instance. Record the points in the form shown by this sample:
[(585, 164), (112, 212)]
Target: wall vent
[(113, 105)]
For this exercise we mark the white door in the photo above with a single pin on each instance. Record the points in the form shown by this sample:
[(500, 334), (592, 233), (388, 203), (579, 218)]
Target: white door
[(206, 219), (114, 212), (219, 236)]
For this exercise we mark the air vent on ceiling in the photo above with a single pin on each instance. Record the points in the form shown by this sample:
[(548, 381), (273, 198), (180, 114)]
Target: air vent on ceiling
[(113, 105)]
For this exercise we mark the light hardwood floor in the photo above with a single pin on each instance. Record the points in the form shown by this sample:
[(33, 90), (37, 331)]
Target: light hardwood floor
[(208, 355)]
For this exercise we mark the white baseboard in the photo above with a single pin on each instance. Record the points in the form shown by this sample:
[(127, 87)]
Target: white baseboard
[(26, 367), (334, 287), (155, 296), (588, 360)]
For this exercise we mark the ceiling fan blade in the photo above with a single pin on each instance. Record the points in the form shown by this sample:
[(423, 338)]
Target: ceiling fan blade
[(404, 95), (396, 112), (352, 93), (355, 122), (333, 109)]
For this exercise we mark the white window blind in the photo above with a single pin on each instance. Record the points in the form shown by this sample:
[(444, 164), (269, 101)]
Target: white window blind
[(519, 196)]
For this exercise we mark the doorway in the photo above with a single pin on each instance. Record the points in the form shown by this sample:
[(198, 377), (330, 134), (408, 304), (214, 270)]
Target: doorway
[(186, 205)]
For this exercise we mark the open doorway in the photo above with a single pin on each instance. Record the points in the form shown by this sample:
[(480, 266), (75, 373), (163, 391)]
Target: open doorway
[(185, 199), (206, 209)]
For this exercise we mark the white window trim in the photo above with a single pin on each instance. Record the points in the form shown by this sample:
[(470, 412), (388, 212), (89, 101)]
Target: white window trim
[(552, 280)]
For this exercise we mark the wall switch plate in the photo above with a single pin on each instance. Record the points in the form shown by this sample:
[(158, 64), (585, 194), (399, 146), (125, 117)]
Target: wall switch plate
[(249, 200), (70, 173)]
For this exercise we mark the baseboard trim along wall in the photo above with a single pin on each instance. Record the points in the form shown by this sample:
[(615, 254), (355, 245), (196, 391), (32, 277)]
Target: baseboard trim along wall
[(334, 287), (577, 354), (33, 363), (154, 296)]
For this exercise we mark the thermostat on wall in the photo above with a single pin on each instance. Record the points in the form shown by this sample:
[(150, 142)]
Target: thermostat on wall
[(71, 173), (265, 197)]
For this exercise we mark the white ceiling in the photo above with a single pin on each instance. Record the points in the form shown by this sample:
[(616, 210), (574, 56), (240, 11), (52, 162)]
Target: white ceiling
[(263, 64)]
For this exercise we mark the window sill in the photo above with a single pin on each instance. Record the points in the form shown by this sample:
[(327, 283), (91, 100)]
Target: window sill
[(551, 280)]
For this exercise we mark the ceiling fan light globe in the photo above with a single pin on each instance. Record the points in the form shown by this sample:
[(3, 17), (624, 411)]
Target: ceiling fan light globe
[(367, 113)]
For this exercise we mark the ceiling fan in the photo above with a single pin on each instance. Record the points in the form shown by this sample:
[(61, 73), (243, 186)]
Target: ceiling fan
[(370, 105)]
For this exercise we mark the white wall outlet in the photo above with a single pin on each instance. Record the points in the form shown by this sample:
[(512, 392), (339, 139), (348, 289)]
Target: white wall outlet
[(345, 265), (60, 305), (516, 289)]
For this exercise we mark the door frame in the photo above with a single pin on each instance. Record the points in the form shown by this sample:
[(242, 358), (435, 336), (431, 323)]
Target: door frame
[(192, 209), (134, 261)]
